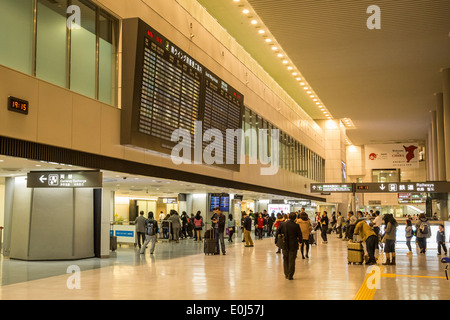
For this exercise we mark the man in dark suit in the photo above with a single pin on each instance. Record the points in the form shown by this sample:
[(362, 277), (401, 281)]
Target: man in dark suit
[(293, 236)]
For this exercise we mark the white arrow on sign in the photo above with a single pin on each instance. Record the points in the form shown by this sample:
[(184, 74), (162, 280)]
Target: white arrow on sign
[(314, 187), (382, 187), (42, 179)]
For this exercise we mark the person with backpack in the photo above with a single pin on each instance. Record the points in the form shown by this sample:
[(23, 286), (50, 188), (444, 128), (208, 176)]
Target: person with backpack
[(151, 231), (423, 232)]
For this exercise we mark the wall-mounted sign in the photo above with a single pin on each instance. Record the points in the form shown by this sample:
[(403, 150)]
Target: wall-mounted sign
[(219, 200), (381, 156), (18, 105), (64, 179), (331, 187)]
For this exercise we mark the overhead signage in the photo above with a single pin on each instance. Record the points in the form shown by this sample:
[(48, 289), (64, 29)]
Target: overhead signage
[(165, 89), (331, 187), (389, 187), (402, 187), (64, 179), (380, 156)]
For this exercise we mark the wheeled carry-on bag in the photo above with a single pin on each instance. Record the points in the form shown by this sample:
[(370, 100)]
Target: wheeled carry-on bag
[(355, 252), (210, 242)]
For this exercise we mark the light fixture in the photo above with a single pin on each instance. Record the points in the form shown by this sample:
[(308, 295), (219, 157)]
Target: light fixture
[(285, 61), (274, 48), (254, 22), (290, 68), (245, 11), (268, 40), (261, 31), (280, 55)]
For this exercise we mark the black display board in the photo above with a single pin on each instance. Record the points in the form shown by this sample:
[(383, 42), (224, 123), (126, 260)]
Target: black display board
[(165, 89)]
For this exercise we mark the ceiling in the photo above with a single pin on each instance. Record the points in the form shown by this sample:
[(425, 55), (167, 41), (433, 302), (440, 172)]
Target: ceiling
[(384, 80)]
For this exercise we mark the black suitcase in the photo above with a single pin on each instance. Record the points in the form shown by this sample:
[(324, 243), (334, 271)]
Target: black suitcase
[(210, 246), (210, 242), (113, 243)]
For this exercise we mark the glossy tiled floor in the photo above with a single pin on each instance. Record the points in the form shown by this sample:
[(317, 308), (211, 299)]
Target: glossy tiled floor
[(180, 271)]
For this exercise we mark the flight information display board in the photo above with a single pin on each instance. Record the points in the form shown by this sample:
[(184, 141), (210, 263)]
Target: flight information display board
[(165, 89)]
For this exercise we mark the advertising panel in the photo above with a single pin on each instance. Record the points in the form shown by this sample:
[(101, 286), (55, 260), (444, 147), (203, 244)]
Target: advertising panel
[(278, 208), (384, 156)]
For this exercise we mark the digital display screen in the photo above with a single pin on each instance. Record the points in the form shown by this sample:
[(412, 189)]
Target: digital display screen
[(18, 105), (221, 201), (165, 89)]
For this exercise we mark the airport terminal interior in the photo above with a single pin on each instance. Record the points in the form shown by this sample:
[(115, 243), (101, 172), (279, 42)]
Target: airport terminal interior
[(228, 123)]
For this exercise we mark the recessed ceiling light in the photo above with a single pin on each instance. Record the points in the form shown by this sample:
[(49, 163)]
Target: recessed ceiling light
[(298, 79), (274, 48), (294, 74), (306, 88), (290, 68), (279, 55), (254, 22), (268, 40), (302, 83), (245, 11), (261, 31), (308, 92), (285, 61)]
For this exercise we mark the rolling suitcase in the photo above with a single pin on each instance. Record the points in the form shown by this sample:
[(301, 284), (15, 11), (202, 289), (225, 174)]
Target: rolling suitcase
[(355, 252), (210, 242), (113, 243)]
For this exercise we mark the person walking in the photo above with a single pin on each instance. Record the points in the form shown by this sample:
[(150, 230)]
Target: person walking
[(231, 225), (324, 226), (151, 232), (292, 237), (440, 239), (198, 226), (423, 232), (139, 223), (369, 237), (339, 224), (306, 228), (409, 233), (389, 238), (247, 225)]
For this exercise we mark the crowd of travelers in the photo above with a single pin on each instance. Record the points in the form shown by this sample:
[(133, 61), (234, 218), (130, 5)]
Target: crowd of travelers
[(296, 231)]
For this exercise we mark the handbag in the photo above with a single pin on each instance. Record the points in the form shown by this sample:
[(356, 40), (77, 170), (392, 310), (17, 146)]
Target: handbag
[(281, 241)]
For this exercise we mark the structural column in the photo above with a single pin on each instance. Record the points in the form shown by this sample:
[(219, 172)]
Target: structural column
[(434, 147), (440, 141)]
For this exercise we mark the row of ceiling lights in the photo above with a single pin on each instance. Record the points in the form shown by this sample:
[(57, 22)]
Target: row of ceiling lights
[(276, 49)]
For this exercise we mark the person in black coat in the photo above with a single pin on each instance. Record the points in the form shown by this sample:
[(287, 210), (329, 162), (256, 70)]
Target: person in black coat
[(293, 236)]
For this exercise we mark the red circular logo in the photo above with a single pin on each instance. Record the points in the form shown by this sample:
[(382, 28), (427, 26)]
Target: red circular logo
[(372, 156)]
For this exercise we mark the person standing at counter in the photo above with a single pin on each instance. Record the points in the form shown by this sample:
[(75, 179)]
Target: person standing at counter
[(139, 223)]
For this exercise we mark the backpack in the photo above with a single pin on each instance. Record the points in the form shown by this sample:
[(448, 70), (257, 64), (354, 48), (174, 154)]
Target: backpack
[(150, 226), (424, 228)]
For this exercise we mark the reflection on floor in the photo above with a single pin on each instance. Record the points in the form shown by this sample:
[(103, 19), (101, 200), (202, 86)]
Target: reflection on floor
[(183, 272)]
